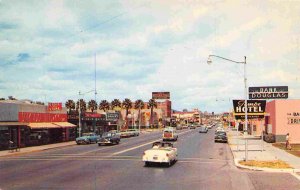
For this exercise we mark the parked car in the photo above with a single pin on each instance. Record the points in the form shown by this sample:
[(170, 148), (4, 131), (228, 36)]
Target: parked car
[(133, 132), (109, 138), (221, 137), (170, 133), (178, 127), (185, 127), (203, 129), (88, 138), (161, 152), (192, 126)]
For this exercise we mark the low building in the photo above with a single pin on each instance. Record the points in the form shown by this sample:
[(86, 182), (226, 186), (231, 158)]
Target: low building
[(27, 124)]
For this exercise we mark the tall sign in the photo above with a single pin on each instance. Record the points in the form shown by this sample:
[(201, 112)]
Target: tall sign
[(112, 116), (255, 109), (54, 106), (269, 92), (160, 95)]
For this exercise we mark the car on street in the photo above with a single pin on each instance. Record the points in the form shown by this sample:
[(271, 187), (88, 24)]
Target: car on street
[(88, 138), (203, 129), (170, 134), (192, 126), (109, 138), (161, 152), (185, 127), (221, 137), (133, 132)]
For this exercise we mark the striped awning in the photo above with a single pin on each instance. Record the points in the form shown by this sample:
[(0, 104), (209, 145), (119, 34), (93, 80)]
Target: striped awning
[(64, 124), (12, 123), (43, 125)]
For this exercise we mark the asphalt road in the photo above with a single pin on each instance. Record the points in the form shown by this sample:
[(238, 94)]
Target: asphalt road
[(202, 164)]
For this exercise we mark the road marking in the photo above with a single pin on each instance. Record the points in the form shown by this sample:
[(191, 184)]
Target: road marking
[(129, 149)]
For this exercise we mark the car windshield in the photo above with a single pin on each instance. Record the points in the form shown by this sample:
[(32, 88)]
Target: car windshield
[(107, 135)]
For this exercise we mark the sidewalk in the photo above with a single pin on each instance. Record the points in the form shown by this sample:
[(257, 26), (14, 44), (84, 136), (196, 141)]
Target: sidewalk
[(261, 151), (36, 148), (51, 146)]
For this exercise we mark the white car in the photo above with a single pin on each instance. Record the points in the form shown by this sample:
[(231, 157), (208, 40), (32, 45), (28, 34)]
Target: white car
[(161, 152), (170, 134)]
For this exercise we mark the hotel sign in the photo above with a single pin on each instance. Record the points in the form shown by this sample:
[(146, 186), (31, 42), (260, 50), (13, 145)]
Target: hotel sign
[(255, 109), (160, 95), (269, 92)]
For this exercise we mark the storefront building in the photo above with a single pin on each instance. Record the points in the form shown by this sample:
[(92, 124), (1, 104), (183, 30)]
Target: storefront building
[(90, 122), (27, 124), (282, 117)]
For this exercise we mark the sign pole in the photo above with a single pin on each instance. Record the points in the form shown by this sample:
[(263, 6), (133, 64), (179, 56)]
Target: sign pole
[(246, 110)]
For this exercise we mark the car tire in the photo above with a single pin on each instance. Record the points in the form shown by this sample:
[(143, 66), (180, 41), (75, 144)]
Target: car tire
[(147, 164), (99, 144), (118, 142)]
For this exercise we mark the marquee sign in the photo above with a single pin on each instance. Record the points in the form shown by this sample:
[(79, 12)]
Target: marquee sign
[(160, 95), (54, 106), (269, 92), (255, 109)]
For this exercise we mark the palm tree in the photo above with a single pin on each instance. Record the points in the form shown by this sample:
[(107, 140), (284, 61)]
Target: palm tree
[(82, 105), (92, 105), (152, 104), (70, 104), (104, 105), (127, 104), (139, 104), (116, 103)]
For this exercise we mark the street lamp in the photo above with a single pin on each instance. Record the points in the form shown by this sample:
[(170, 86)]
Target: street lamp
[(209, 61)]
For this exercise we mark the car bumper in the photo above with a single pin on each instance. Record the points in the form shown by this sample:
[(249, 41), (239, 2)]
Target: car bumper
[(221, 140), (158, 160)]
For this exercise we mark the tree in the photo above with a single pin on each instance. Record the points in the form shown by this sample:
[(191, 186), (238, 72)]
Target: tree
[(70, 105), (152, 104), (2, 98), (104, 105), (127, 104), (82, 105), (116, 103), (11, 98), (92, 105), (139, 104)]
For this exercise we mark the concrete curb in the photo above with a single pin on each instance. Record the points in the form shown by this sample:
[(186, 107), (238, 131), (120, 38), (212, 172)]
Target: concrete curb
[(38, 149)]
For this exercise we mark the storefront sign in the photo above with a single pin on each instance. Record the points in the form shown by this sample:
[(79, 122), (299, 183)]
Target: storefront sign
[(293, 118), (54, 106), (255, 109), (112, 116), (269, 92), (90, 116), (160, 95)]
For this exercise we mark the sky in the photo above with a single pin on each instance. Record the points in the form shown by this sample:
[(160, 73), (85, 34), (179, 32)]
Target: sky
[(50, 50)]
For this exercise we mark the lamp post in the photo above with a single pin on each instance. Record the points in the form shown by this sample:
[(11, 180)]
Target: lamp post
[(209, 61)]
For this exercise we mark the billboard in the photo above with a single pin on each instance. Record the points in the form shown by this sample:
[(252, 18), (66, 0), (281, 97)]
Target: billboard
[(255, 109), (54, 106), (112, 116), (160, 95), (269, 92)]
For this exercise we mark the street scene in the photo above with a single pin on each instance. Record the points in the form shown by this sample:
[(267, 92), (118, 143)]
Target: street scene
[(153, 95)]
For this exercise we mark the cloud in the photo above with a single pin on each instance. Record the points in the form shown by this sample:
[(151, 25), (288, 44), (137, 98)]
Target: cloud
[(146, 46)]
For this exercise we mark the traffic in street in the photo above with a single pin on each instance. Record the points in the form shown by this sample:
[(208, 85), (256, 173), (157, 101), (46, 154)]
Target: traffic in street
[(202, 164)]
